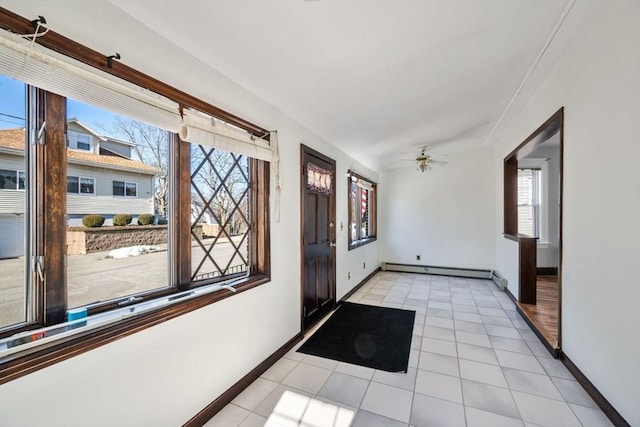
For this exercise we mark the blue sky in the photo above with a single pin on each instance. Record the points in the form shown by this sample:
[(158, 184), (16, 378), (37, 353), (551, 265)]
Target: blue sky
[(12, 101), (12, 108)]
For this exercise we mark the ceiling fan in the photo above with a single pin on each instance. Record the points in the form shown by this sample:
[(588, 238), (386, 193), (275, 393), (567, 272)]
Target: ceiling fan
[(424, 162)]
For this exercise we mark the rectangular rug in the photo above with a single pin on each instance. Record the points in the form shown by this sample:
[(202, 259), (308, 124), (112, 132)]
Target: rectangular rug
[(365, 335)]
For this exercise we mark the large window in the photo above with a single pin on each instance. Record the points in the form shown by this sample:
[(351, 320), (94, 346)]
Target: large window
[(362, 210), (212, 201)]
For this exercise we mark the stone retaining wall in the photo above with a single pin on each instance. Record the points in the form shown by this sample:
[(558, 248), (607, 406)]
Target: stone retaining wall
[(81, 240)]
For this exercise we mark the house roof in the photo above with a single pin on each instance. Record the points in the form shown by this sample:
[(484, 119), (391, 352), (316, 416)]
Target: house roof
[(13, 139)]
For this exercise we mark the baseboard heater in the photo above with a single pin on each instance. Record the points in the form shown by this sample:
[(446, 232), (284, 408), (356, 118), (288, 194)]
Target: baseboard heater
[(499, 280), (473, 273), (441, 271)]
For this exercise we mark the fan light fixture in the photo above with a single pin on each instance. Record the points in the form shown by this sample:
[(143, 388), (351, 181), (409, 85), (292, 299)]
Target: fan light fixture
[(422, 162)]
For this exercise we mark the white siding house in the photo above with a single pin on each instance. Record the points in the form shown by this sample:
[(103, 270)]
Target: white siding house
[(101, 179)]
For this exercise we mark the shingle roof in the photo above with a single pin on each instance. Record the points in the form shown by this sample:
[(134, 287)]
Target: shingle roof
[(14, 139)]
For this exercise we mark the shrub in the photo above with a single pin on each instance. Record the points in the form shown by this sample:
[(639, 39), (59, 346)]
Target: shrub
[(91, 221), (146, 219), (122, 219)]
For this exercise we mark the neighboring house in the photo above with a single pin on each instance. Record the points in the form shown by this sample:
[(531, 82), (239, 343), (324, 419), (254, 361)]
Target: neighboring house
[(101, 179)]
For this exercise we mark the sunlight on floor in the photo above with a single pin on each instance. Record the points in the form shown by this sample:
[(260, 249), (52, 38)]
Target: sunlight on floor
[(294, 409)]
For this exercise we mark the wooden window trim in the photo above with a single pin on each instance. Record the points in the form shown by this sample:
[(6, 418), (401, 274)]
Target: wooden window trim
[(373, 214), (51, 207), (510, 172)]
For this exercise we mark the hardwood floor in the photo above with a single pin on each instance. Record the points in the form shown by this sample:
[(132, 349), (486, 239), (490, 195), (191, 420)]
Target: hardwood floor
[(544, 314)]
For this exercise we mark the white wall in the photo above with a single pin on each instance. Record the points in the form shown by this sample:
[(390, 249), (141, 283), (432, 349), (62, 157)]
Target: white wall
[(445, 215), (165, 375), (596, 80)]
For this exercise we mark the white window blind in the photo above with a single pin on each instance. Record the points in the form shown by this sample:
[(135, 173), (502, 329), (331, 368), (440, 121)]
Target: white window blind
[(202, 129), (362, 183), (38, 66), (529, 202)]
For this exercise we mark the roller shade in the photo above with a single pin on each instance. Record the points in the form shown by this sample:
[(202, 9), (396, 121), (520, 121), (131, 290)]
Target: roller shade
[(202, 129), (362, 183), (38, 66)]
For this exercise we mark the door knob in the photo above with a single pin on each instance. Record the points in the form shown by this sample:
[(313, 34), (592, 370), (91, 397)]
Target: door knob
[(332, 244)]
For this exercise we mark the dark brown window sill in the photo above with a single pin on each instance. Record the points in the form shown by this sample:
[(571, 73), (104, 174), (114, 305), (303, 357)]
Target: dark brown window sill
[(361, 242), (34, 358)]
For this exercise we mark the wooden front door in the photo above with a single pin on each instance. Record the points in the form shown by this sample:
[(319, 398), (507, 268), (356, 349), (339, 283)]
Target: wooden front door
[(318, 217)]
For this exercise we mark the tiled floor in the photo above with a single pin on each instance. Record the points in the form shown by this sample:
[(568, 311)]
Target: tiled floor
[(474, 362)]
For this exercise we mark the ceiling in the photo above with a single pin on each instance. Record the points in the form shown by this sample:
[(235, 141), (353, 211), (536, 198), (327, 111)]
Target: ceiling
[(379, 79)]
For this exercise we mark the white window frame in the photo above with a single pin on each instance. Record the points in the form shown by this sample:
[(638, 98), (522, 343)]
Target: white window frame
[(125, 183), (543, 202), (80, 178), (18, 173), (72, 141)]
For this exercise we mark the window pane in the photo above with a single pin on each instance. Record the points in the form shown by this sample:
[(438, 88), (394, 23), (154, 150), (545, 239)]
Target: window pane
[(83, 142), (219, 214), (8, 179), (353, 224), (22, 180), (73, 184), (87, 185), (118, 188), (364, 214), (13, 252), (526, 212), (132, 189), (127, 158)]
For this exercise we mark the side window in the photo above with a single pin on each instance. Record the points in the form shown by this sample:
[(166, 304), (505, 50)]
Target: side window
[(362, 210)]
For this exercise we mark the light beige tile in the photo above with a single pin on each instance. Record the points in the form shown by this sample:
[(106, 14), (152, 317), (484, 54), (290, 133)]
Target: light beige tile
[(431, 412), (545, 412), (391, 402), (439, 385), (307, 378), (229, 416), (482, 372)]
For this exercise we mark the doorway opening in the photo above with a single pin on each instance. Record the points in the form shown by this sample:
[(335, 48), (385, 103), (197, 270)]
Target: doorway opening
[(533, 218)]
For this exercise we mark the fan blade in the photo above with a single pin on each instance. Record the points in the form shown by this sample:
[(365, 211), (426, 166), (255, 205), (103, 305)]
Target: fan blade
[(437, 162)]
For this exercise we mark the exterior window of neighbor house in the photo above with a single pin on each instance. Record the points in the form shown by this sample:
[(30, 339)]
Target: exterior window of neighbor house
[(14, 285), (79, 141), (529, 201), (362, 210), (81, 185), (125, 189), (12, 180)]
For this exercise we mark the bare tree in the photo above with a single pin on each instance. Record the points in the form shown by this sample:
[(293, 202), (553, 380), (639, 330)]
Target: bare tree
[(218, 175), (151, 146), (221, 178)]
